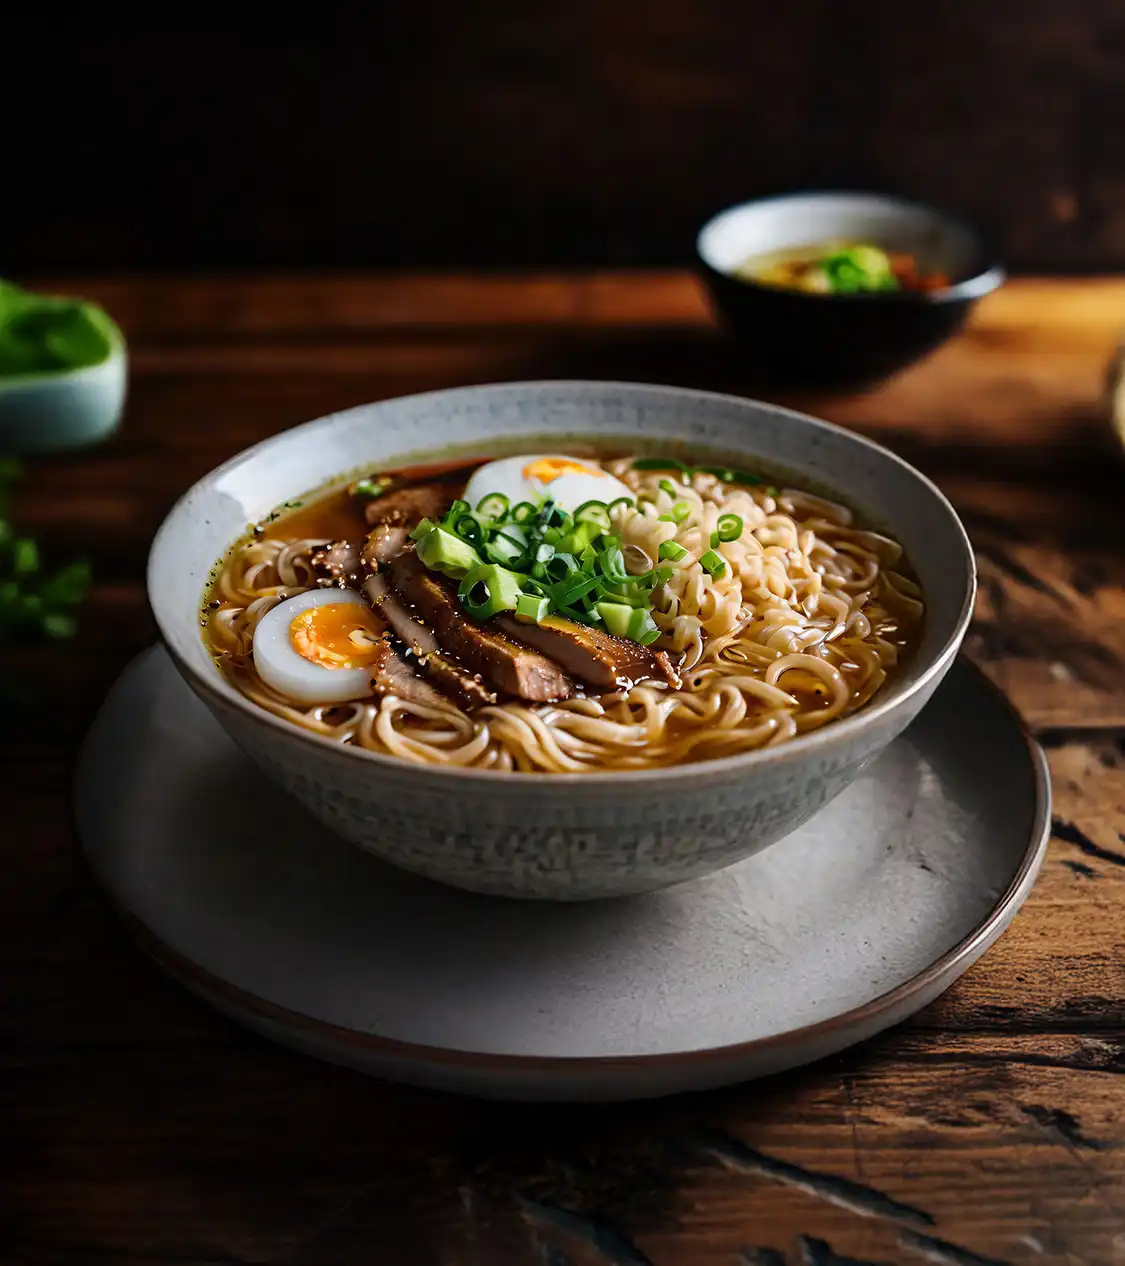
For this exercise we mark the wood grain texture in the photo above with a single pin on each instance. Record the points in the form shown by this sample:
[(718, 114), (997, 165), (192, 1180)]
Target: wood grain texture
[(139, 1128), (426, 135)]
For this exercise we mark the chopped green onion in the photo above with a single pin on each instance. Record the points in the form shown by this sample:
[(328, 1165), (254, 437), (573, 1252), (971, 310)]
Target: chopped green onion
[(729, 476), (567, 594), (488, 589), (440, 550), (561, 566), (611, 563), (660, 463), (642, 627), (551, 514), (569, 563), (713, 563), (504, 549), (773, 492), (493, 506), (579, 617), (593, 512), (579, 539), (370, 489), (455, 511), (531, 609), (615, 616), (469, 529), (858, 268), (729, 527), (678, 513)]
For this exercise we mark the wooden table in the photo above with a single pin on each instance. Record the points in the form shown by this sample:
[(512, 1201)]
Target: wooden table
[(140, 1128)]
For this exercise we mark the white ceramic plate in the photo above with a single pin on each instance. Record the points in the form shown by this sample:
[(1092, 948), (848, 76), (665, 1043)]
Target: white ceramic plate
[(848, 926)]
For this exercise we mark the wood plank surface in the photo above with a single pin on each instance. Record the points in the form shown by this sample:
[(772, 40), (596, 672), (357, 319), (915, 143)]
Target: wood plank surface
[(140, 1128)]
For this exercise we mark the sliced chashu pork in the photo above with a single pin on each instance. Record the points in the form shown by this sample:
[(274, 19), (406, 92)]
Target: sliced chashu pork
[(504, 664), (340, 562), (464, 687), (391, 674), (592, 655), (406, 507)]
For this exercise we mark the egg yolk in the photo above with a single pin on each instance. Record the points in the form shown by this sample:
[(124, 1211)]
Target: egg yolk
[(548, 469), (336, 635)]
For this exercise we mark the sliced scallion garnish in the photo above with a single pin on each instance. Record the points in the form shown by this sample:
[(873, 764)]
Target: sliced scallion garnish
[(594, 512), (370, 489), (673, 551), (659, 463), (532, 609), (729, 527), (730, 476), (488, 589), (494, 506), (547, 559), (714, 564), (643, 628)]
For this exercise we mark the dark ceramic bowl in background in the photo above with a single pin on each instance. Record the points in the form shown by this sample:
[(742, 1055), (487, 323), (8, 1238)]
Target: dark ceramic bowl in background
[(841, 339)]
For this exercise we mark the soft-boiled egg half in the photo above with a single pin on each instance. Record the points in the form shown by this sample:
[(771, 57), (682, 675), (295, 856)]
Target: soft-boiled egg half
[(318, 647), (568, 480)]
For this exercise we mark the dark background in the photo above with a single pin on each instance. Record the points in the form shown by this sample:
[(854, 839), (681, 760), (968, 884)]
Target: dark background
[(531, 133)]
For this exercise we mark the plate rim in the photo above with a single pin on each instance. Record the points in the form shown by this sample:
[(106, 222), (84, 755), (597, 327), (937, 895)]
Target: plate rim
[(208, 985)]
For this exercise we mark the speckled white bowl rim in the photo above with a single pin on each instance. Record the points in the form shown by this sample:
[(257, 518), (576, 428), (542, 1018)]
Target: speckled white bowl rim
[(213, 683)]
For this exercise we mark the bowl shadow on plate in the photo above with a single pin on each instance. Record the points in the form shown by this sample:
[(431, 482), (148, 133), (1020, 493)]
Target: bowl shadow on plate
[(278, 835)]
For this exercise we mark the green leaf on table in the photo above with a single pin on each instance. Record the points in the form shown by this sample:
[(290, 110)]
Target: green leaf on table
[(25, 557), (33, 602)]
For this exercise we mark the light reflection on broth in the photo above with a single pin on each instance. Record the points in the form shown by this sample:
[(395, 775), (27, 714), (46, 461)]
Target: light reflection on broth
[(810, 617)]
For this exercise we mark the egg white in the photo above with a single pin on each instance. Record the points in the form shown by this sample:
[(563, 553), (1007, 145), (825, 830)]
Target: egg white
[(288, 672), (570, 490)]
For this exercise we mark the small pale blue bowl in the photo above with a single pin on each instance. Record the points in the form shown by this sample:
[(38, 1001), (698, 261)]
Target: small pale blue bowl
[(66, 408)]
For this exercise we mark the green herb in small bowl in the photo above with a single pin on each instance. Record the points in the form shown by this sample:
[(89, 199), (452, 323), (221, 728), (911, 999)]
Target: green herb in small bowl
[(62, 372)]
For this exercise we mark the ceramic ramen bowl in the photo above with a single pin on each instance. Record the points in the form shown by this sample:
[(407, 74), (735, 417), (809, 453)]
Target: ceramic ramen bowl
[(563, 836)]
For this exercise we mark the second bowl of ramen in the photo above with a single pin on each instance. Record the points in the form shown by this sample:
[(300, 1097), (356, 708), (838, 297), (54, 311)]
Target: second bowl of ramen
[(840, 289), (595, 640)]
